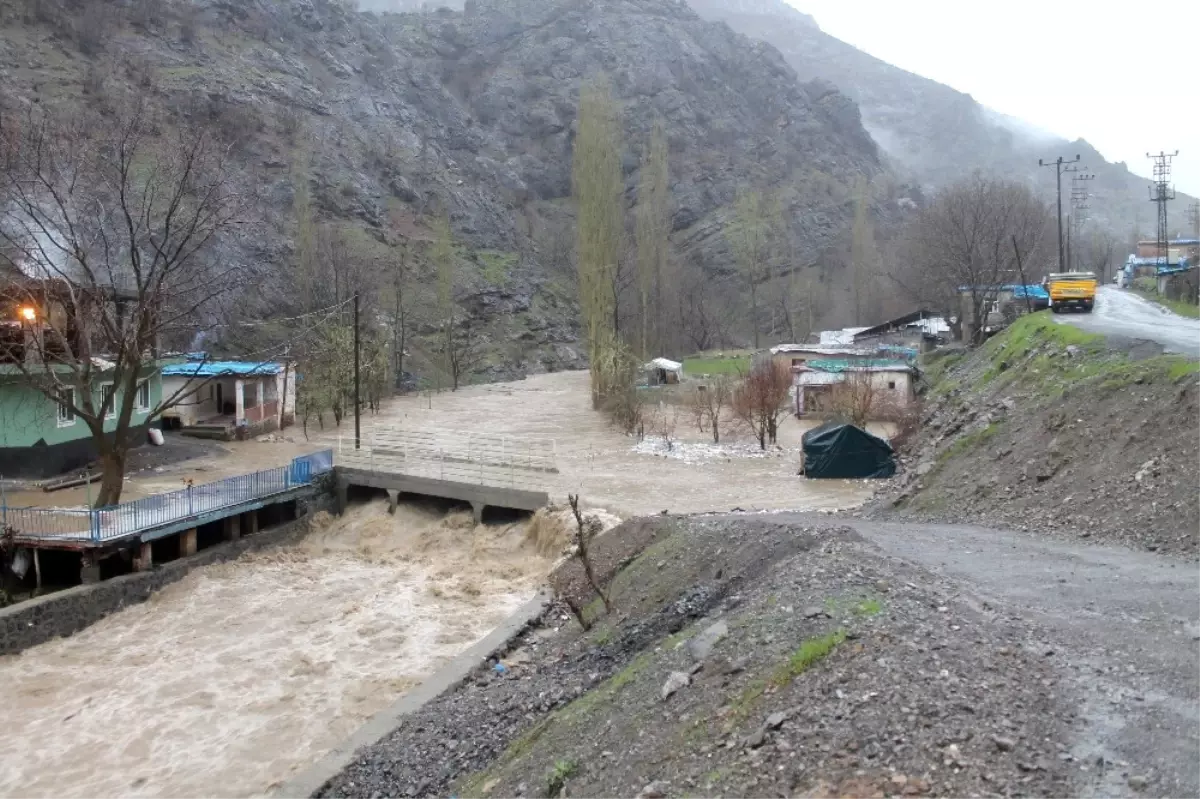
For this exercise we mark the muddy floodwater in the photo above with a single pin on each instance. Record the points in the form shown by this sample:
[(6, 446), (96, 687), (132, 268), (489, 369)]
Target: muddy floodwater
[(231, 680)]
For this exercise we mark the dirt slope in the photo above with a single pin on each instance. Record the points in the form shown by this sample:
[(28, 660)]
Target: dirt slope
[(746, 657), (1052, 430)]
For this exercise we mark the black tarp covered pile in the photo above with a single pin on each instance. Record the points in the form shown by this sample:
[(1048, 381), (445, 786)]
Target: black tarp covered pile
[(840, 450)]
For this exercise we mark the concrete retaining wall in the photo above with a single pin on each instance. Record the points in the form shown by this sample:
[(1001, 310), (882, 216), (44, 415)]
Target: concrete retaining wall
[(66, 612)]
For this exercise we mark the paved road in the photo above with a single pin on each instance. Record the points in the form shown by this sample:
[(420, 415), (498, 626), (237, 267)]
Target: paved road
[(1123, 314), (1124, 627)]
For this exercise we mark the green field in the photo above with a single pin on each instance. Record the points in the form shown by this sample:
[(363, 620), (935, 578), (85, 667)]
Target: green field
[(712, 363)]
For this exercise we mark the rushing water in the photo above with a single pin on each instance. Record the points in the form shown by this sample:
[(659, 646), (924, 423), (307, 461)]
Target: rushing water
[(231, 680)]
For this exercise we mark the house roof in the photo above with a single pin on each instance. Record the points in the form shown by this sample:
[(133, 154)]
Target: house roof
[(870, 365), (923, 319), (221, 369), (665, 364), (822, 349)]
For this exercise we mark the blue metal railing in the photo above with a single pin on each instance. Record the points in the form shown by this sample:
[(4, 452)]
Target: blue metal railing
[(127, 518)]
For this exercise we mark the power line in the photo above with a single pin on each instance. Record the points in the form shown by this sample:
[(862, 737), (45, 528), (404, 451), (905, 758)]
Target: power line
[(1058, 173), (1079, 210), (1162, 193)]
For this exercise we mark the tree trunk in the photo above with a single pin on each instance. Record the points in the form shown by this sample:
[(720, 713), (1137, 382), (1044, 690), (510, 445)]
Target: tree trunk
[(754, 311), (112, 476), (716, 430)]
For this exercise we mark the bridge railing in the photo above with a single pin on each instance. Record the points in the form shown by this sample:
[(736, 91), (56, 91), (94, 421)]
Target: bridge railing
[(127, 518), (479, 459)]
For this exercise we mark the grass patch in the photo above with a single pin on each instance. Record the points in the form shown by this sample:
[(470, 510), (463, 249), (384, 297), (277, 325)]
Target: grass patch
[(969, 442), (725, 363), (496, 265), (867, 607), (1029, 333), (1175, 306), (747, 702), (558, 775), (811, 652)]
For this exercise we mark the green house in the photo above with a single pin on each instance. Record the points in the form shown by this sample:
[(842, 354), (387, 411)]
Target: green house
[(42, 438)]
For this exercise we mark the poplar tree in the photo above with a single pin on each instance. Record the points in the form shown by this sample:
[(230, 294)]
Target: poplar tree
[(598, 187), (652, 231)]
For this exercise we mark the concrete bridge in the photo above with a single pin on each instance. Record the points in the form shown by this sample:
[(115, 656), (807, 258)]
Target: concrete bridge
[(486, 471)]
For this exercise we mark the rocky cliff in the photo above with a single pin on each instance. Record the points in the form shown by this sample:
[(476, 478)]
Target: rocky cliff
[(387, 118), (930, 131)]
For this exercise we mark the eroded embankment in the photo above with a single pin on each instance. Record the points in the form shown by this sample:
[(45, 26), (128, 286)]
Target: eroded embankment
[(230, 680), (1049, 429), (745, 657)]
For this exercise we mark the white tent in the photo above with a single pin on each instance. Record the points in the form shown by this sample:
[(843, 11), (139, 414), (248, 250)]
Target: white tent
[(664, 370)]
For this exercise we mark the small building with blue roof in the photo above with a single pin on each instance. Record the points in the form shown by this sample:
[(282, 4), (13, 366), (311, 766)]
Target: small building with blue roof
[(228, 399)]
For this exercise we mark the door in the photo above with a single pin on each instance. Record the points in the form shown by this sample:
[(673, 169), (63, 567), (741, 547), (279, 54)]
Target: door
[(220, 400)]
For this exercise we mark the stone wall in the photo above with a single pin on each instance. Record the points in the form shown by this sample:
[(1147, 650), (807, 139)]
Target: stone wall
[(66, 612)]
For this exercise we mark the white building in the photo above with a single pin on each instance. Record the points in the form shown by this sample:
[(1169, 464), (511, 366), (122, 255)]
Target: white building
[(890, 383), (229, 396)]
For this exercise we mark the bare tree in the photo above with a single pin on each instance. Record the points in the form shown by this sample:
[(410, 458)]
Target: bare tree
[(855, 399), (709, 402), (962, 245), (701, 318), (751, 235), (586, 530), (760, 400), (463, 351), (108, 231)]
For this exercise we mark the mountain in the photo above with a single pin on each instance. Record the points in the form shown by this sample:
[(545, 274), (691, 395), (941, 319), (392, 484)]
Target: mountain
[(933, 132), (385, 119)]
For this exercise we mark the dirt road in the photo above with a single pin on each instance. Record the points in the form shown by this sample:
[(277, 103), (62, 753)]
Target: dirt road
[(1124, 315), (1124, 624)]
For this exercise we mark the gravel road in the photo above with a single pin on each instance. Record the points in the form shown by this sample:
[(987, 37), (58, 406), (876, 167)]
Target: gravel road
[(1126, 626), (1123, 314)]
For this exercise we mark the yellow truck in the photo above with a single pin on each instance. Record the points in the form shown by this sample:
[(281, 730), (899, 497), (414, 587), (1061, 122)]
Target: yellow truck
[(1071, 290)]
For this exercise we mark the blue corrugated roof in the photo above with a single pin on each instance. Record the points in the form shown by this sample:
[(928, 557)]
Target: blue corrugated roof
[(1035, 291), (836, 365), (221, 369)]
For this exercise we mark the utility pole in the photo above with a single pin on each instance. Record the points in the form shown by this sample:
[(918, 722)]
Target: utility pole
[(1058, 173), (1079, 209), (1160, 194), (1193, 215), (357, 382)]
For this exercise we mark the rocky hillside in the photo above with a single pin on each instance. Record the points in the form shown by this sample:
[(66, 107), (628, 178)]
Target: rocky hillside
[(930, 130), (389, 118), (1052, 430)]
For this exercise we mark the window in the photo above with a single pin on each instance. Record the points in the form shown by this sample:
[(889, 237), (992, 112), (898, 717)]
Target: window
[(892, 385), (108, 395), (142, 400), (66, 413)]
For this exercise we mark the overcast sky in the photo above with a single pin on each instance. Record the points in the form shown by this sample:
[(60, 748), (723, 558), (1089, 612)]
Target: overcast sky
[(1076, 68)]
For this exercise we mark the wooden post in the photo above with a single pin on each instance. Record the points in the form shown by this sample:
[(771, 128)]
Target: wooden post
[(250, 522), (233, 528), (187, 543), (37, 568)]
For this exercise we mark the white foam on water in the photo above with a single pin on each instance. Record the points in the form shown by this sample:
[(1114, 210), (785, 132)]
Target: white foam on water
[(241, 674)]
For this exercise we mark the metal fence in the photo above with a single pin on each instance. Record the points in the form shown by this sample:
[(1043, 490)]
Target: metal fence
[(127, 518), (461, 457)]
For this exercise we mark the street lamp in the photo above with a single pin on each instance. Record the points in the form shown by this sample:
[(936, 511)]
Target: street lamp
[(27, 313)]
